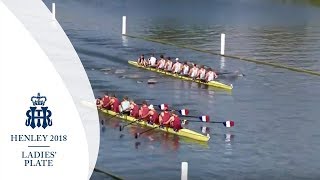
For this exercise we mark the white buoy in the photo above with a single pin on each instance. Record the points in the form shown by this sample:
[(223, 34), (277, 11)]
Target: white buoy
[(54, 11), (124, 24), (184, 170), (223, 39)]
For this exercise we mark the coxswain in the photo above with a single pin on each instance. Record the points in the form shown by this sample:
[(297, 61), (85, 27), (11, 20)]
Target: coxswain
[(106, 102), (211, 75), (134, 109), (114, 103), (193, 71), (144, 111), (141, 59), (152, 61), (176, 68), (168, 65), (124, 107), (161, 62), (153, 115), (164, 117), (202, 73), (185, 69), (175, 122), (99, 103)]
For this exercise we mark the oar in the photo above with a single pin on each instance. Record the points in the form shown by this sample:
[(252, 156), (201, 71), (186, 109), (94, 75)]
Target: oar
[(223, 73), (121, 127), (204, 118), (225, 123), (138, 134), (163, 106)]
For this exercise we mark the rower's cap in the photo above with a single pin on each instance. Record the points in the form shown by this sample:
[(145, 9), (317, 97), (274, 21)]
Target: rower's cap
[(177, 59), (150, 106)]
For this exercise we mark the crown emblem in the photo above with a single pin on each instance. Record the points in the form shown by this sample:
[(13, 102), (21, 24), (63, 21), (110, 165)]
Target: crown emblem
[(38, 100)]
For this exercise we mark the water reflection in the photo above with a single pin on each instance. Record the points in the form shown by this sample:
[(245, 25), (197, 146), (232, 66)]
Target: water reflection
[(228, 145), (124, 41)]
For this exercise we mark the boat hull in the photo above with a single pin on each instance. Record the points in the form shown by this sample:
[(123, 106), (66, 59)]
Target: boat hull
[(211, 83)]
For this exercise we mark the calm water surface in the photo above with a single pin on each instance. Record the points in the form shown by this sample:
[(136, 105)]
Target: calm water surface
[(276, 111)]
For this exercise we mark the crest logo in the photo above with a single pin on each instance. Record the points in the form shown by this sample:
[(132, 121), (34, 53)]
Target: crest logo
[(38, 115)]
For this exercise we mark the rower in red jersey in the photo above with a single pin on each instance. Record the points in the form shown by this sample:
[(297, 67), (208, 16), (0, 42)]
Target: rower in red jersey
[(134, 109), (175, 122), (106, 101), (144, 111), (114, 103), (164, 117), (153, 115)]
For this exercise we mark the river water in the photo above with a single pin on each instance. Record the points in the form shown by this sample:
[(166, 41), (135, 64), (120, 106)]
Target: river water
[(276, 111)]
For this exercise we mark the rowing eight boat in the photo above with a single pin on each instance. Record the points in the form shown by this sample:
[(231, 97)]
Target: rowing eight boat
[(211, 83), (182, 132)]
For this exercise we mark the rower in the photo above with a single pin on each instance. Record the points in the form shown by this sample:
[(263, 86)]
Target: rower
[(143, 112), (153, 61), (99, 102), (202, 73), (168, 65), (134, 109), (161, 62), (114, 103), (176, 68), (153, 115), (211, 75), (164, 117), (185, 69), (141, 59), (193, 71), (175, 122), (124, 107), (106, 101)]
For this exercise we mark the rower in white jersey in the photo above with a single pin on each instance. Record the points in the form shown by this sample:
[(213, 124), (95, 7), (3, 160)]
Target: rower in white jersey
[(176, 68), (202, 73), (193, 72), (161, 62), (211, 75), (168, 65), (152, 61), (185, 69)]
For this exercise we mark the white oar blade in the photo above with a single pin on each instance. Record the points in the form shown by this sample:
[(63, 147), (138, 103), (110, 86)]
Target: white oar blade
[(229, 123), (184, 112), (205, 118)]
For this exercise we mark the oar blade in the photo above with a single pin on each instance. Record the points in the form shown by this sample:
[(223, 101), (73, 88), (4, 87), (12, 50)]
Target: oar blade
[(205, 118), (184, 112), (228, 123), (163, 106)]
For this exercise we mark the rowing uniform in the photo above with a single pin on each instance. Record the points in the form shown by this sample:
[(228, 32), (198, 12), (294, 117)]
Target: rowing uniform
[(105, 102), (161, 64), (144, 111), (154, 118), (115, 105), (176, 123), (125, 107), (210, 76), (185, 69), (177, 67), (165, 115), (134, 112), (194, 72), (169, 66), (202, 74), (153, 61)]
